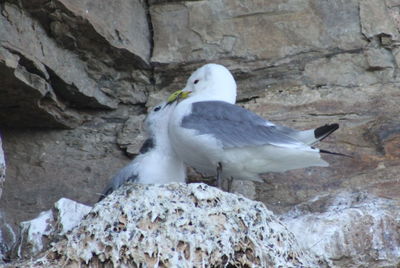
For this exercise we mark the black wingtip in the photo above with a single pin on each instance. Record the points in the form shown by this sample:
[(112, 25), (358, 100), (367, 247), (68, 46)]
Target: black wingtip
[(321, 133), (329, 152)]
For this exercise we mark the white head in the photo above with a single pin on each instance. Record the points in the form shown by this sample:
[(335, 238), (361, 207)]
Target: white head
[(212, 82), (156, 123)]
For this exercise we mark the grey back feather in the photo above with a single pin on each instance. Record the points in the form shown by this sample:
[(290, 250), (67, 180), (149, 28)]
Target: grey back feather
[(235, 126)]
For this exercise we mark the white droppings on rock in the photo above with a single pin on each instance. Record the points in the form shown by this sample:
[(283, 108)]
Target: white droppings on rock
[(35, 230), (70, 214), (36, 234), (179, 225)]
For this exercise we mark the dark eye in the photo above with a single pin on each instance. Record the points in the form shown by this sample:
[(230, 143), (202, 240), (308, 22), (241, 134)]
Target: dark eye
[(157, 108), (196, 81)]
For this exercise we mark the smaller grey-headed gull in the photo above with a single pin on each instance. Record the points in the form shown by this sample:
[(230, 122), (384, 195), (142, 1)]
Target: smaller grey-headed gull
[(214, 136), (157, 162)]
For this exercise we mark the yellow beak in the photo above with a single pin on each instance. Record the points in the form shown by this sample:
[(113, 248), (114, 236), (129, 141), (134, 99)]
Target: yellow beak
[(178, 95)]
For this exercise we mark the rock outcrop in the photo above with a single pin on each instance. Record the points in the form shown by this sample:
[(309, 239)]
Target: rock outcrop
[(49, 226), (194, 225), (57, 59), (348, 229), (177, 225), (77, 77)]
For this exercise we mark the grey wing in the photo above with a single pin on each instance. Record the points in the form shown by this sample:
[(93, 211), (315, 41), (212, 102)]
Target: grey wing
[(128, 173), (235, 126), (290, 132)]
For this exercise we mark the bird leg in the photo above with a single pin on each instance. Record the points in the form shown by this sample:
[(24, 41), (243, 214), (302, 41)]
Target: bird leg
[(219, 179)]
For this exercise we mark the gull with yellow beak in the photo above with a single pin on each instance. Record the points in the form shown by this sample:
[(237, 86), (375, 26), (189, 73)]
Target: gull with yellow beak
[(214, 136)]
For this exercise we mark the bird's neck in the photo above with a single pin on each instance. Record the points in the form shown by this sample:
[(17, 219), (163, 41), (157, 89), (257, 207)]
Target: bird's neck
[(160, 164), (161, 141), (159, 167), (214, 94)]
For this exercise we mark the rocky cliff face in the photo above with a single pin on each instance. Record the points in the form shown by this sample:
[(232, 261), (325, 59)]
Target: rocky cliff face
[(76, 78)]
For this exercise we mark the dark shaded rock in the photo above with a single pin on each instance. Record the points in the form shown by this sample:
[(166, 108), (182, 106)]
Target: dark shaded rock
[(42, 82), (53, 85), (27, 99), (111, 38), (118, 30)]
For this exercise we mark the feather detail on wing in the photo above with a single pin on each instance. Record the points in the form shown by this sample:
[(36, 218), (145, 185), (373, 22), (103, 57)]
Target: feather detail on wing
[(235, 126)]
